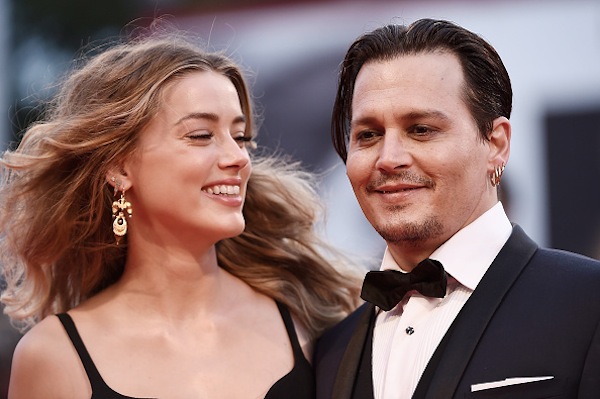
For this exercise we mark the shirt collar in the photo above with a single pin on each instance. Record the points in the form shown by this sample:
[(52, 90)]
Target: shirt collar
[(468, 254)]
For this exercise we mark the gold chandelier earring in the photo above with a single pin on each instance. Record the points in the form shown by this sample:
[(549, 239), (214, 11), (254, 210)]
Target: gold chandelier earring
[(121, 211), (497, 175)]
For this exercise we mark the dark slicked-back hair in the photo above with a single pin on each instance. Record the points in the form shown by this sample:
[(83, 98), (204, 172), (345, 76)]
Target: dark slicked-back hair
[(487, 91)]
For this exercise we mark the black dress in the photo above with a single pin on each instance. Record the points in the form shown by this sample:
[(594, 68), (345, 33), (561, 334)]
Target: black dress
[(299, 383)]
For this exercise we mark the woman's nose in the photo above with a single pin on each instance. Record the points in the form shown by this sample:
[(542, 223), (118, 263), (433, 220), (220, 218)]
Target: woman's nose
[(235, 153)]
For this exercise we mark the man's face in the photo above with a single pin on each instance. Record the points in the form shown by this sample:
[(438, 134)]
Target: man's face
[(416, 161)]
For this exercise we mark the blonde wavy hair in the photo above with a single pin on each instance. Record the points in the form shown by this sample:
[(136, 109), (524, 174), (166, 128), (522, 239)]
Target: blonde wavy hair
[(56, 242)]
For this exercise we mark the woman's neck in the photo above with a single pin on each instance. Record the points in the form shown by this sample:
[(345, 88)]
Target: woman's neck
[(175, 283)]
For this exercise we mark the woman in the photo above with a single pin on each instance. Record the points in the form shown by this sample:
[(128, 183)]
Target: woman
[(122, 213)]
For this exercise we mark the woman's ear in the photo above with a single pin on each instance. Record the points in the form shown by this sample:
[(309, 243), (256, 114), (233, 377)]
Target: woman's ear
[(117, 178), (499, 143)]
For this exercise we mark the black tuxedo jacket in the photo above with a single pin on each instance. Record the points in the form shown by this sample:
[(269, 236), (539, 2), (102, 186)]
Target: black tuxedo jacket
[(535, 313)]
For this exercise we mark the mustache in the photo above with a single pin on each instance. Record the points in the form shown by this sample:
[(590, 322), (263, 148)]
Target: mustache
[(400, 177)]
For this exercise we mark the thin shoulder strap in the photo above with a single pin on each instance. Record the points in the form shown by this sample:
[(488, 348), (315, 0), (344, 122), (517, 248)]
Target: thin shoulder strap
[(291, 330), (99, 388), (96, 380), (300, 381)]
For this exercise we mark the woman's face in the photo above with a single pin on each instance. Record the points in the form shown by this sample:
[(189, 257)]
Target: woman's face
[(189, 174)]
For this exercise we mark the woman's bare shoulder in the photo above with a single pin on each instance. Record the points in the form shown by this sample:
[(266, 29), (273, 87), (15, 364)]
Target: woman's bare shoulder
[(45, 364)]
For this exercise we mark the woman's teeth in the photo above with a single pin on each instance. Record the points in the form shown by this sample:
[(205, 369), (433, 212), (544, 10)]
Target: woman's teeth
[(223, 189)]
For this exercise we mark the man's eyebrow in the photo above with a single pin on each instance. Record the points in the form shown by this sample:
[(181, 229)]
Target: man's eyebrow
[(368, 120), (426, 114)]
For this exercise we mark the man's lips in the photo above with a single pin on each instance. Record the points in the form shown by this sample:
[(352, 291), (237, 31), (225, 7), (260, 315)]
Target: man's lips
[(395, 189), (404, 181)]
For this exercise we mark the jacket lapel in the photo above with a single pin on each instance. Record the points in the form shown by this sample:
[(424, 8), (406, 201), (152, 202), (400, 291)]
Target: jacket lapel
[(447, 365), (351, 360)]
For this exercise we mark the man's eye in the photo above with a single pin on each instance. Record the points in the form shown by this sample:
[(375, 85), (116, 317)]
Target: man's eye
[(366, 135), (421, 130)]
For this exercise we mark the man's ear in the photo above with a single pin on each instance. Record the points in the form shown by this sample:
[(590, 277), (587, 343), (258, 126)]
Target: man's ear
[(499, 143)]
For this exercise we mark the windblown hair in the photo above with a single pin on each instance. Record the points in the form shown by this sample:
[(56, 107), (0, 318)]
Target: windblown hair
[(280, 253), (487, 91), (56, 242)]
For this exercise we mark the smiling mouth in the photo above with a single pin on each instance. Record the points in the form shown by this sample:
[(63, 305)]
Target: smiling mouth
[(223, 189)]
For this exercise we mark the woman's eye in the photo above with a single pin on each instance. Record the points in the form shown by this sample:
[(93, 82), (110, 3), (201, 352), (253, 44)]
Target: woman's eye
[(244, 141), (200, 136)]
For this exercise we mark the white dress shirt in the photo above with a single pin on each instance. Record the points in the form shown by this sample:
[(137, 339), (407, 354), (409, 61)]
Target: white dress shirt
[(405, 338)]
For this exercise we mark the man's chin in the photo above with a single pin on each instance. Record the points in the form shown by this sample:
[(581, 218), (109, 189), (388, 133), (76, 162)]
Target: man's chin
[(410, 232)]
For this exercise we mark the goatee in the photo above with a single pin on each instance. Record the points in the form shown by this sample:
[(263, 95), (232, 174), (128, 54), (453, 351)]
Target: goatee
[(410, 232)]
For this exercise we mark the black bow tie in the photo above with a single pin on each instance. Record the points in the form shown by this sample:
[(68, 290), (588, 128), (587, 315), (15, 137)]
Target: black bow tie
[(386, 288)]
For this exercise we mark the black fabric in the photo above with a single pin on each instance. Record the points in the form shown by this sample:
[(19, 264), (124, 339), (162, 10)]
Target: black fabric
[(299, 383), (363, 385), (386, 289), (338, 352), (99, 388)]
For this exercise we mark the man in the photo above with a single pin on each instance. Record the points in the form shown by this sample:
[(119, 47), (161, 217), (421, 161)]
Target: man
[(421, 120)]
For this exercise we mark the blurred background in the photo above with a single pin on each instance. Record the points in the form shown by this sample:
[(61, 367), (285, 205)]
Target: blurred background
[(292, 50)]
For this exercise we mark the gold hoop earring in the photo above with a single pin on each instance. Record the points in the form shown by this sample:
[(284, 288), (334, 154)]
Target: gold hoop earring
[(497, 175), (121, 207)]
